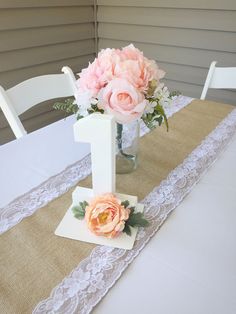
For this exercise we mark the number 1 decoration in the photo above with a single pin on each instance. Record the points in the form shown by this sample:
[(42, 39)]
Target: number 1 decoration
[(100, 131)]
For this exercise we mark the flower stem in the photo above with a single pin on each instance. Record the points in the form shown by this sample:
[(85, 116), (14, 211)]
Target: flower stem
[(119, 141)]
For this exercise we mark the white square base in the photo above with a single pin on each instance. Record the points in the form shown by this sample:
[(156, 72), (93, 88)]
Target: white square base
[(72, 228)]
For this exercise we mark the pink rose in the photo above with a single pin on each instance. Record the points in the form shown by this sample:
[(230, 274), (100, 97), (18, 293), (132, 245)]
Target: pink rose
[(122, 100), (105, 216)]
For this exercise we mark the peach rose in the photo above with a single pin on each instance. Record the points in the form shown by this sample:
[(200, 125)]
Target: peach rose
[(122, 100), (105, 216)]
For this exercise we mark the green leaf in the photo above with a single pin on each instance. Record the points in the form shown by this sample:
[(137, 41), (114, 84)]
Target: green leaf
[(78, 117), (162, 112), (78, 212), (174, 93), (94, 108), (83, 204), (131, 210), (137, 220), (127, 230), (159, 120), (79, 216), (125, 203)]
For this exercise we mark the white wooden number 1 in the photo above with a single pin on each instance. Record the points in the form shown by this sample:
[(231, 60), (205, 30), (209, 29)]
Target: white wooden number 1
[(99, 131)]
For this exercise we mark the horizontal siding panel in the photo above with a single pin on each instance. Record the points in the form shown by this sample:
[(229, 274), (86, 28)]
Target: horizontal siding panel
[(193, 4), (195, 75), (185, 18), (183, 36), (42, 3), (28, 18), (34, 56), (38, 38), (11, 78), (221, 95), (224, 96), (177, 55), (170, 36), (26, 38)]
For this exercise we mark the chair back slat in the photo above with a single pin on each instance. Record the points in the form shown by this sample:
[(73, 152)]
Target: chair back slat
[(37, 90), (223, 78), (29, 93)]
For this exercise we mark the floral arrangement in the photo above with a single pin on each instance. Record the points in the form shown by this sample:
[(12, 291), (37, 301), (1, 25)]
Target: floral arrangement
[(124, 83), (107, 216)]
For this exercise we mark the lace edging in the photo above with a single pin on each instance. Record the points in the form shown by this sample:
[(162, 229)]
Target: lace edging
[(94, 276)]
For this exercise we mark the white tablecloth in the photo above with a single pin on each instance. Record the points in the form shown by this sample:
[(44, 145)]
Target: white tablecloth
[(188, 267), (190, 264), (27, 162), (36, 157)]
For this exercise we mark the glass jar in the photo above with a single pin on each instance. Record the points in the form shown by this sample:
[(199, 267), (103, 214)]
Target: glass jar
[(127, 147)]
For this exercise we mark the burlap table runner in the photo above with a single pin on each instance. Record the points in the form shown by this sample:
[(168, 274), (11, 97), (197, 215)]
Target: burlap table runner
[(33, 260)]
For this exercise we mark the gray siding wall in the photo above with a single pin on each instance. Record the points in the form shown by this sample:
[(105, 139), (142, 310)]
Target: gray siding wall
[(39, 37), (183, 36)]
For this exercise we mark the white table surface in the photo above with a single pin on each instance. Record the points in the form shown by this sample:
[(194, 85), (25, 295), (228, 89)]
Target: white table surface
[(27, 162), (188, 267)]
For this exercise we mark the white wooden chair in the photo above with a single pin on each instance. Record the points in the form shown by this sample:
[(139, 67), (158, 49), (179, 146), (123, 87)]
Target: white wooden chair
[(27, 94), (219, 78)]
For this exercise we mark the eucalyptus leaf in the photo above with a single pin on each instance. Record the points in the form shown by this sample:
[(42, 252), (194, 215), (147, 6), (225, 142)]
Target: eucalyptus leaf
[(68, 106), (78, 212)]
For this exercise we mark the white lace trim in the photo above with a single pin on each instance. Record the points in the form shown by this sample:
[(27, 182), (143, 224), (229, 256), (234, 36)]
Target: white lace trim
[(57, 185), (90, 281)]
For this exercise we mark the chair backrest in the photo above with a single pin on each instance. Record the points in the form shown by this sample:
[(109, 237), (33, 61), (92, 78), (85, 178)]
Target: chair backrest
[(27, 94), (219, 78)]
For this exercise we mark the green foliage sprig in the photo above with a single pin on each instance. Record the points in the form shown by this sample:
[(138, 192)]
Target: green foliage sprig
[(135, 220), (70, 107), (79, 211), (158, 115)]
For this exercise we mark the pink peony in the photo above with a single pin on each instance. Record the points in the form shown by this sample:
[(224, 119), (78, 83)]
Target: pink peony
[(89, 80), (100, 72), (123, 100), (137, 69), (105, 216)]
